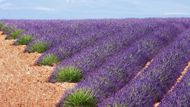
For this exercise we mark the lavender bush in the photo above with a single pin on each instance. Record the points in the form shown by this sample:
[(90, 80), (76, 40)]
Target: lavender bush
[(151, 85), (179, 96), (93, 56), (123, 66)]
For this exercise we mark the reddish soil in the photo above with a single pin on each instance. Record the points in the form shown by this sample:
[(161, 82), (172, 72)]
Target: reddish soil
[(23, 84)]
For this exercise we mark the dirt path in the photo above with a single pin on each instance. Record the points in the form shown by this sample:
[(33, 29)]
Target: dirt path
[(22, 84)]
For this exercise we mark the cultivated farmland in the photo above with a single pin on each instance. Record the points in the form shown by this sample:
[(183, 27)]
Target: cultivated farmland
[(114, 62)]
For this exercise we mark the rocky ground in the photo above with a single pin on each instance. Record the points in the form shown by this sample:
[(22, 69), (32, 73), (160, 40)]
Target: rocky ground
[(24, 84)]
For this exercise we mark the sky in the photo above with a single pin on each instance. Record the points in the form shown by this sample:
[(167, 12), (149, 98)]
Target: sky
[(92, 9)]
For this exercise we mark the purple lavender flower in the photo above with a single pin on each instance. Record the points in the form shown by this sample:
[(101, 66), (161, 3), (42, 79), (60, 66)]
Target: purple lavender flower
[(123, 66), (179, 96), (93, 56), (151, 85)]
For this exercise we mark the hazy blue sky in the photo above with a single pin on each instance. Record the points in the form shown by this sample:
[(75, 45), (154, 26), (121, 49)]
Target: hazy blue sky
[(82, 9)]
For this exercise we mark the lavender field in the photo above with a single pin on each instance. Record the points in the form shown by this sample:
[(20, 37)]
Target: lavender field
[(114, 62)]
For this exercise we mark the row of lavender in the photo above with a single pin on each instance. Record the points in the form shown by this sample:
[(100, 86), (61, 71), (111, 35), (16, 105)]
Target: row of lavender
[(101, 83), (154, 82), (180, 95), (123, 66), (108, 54), (55, 32), (93, 56), (115, 77)]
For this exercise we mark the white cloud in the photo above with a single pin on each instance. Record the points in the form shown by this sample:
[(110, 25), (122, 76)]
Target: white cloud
[(43, 8), (176, 13), (69, 1), (2, 1), (10, 6), (80, 1), (134, 2), (6, 6)]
